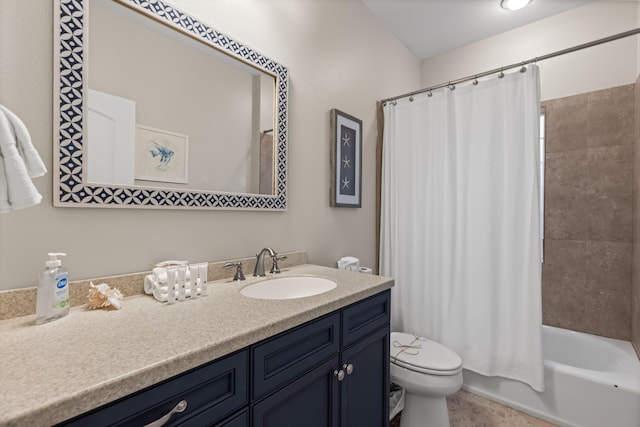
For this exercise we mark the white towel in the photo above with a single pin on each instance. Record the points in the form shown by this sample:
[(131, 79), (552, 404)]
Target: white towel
[(160, 275), (33, 162), (16, 189), (149, 283)]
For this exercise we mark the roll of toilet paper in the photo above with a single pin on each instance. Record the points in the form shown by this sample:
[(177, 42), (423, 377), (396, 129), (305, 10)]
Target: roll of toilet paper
[(365, 270)]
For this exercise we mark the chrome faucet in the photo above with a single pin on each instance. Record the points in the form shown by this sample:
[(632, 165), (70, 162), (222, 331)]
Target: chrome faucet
[(259, 268)]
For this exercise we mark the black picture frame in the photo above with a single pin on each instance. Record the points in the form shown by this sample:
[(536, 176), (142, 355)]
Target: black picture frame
[(346, 160)]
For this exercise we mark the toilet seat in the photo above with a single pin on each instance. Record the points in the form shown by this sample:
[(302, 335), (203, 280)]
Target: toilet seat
[(423, 355)]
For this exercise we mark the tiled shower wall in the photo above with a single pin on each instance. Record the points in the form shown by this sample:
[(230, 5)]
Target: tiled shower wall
[(587, 273), (635, 284)]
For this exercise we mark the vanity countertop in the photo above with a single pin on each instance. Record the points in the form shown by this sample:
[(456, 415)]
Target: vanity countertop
[(58, 370)]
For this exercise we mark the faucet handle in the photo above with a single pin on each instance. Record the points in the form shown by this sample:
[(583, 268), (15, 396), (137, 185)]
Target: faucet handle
[(239, 274), (274, 267)]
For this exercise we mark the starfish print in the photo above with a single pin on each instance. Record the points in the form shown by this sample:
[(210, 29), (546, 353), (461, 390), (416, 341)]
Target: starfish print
[(345, 182), (346, 140), (346, 162)]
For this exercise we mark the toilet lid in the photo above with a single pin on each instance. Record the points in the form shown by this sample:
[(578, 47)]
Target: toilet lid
[(423, 355)]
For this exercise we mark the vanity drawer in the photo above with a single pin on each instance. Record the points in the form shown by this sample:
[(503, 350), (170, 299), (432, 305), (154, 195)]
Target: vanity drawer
[(362, 318), (288, 355), (212, 392)]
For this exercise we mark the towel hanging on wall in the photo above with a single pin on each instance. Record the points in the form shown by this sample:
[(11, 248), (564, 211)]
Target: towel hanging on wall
[(19, 162)]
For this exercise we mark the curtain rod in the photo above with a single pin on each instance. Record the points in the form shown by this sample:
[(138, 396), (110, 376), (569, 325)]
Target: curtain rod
[(452, 83)]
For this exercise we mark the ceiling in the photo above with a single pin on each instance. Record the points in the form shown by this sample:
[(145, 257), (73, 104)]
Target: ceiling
[(431, 27)]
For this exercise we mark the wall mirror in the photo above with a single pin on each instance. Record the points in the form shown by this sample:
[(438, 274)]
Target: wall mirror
[(153, 108)]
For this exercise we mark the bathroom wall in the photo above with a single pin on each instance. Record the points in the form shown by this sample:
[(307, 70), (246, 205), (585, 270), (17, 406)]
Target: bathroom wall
[(338, 56), (586, 276)]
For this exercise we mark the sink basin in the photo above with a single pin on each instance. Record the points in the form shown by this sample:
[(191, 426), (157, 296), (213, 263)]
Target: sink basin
[(289, 287)]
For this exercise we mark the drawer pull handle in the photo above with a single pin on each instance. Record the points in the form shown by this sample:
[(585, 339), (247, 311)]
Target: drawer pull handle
[(339, 374), (180, 407), (348, 368)]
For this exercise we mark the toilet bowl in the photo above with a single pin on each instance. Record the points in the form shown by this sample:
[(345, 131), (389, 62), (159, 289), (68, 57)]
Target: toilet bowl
[(428, 372)]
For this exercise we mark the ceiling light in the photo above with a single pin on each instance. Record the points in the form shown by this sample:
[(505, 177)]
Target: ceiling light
[(514, 4)]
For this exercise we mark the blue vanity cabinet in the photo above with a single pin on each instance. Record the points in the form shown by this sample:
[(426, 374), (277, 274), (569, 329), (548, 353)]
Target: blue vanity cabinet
[(327, 385)]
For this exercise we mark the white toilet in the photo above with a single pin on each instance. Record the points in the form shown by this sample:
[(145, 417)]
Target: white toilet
[(428, 372)]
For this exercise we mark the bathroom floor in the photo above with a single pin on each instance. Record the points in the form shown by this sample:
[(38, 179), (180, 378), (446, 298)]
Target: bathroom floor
[(469, 410)]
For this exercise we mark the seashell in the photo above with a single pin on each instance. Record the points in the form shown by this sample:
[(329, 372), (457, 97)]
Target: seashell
[(102, 296)]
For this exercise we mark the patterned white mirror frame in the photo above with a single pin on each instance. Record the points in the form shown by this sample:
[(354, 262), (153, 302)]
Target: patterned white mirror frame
[(70, 186)]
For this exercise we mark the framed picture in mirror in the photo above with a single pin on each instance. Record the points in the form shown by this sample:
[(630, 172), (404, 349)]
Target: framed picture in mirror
[(161, 155), (346, 160)]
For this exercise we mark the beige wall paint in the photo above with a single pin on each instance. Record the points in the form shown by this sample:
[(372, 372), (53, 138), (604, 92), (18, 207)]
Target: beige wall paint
[(338, 57), (601, 67)]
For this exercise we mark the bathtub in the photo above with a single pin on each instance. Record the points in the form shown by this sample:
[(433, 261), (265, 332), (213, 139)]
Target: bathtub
[(590, 381)]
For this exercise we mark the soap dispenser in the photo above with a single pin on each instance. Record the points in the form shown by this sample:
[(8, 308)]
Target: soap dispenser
[(53, 290)]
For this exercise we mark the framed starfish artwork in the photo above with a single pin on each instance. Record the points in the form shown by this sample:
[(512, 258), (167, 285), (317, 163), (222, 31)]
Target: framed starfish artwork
[(346, 160)]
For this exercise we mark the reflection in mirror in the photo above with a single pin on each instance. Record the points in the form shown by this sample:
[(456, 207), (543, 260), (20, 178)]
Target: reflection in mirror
[(158, 72), (170, 121)]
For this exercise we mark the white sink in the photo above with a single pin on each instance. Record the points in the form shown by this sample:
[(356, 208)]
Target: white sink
[(289, 287)]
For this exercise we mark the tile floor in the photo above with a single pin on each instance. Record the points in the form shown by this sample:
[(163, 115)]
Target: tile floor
[(469, 410)]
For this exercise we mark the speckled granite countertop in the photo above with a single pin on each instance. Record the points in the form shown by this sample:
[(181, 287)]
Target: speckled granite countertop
[(55, 371)]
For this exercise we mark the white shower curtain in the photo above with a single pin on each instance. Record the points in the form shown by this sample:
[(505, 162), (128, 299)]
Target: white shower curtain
[(460, 222)]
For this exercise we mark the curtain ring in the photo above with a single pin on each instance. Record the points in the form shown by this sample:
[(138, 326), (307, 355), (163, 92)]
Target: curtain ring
[(411, 98), (501, 75), (523, 69), (475, 81), (394, 103), (429, 94), (451, 86)]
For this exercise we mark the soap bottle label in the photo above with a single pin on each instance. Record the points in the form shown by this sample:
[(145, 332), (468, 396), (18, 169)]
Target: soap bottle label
[(61, 299)]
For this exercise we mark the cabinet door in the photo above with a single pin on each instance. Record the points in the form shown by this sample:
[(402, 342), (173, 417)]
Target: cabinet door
[(364, 394), (310, 401)]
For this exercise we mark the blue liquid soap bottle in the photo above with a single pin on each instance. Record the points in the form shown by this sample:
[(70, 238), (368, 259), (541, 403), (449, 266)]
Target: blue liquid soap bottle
[(53, 290)]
